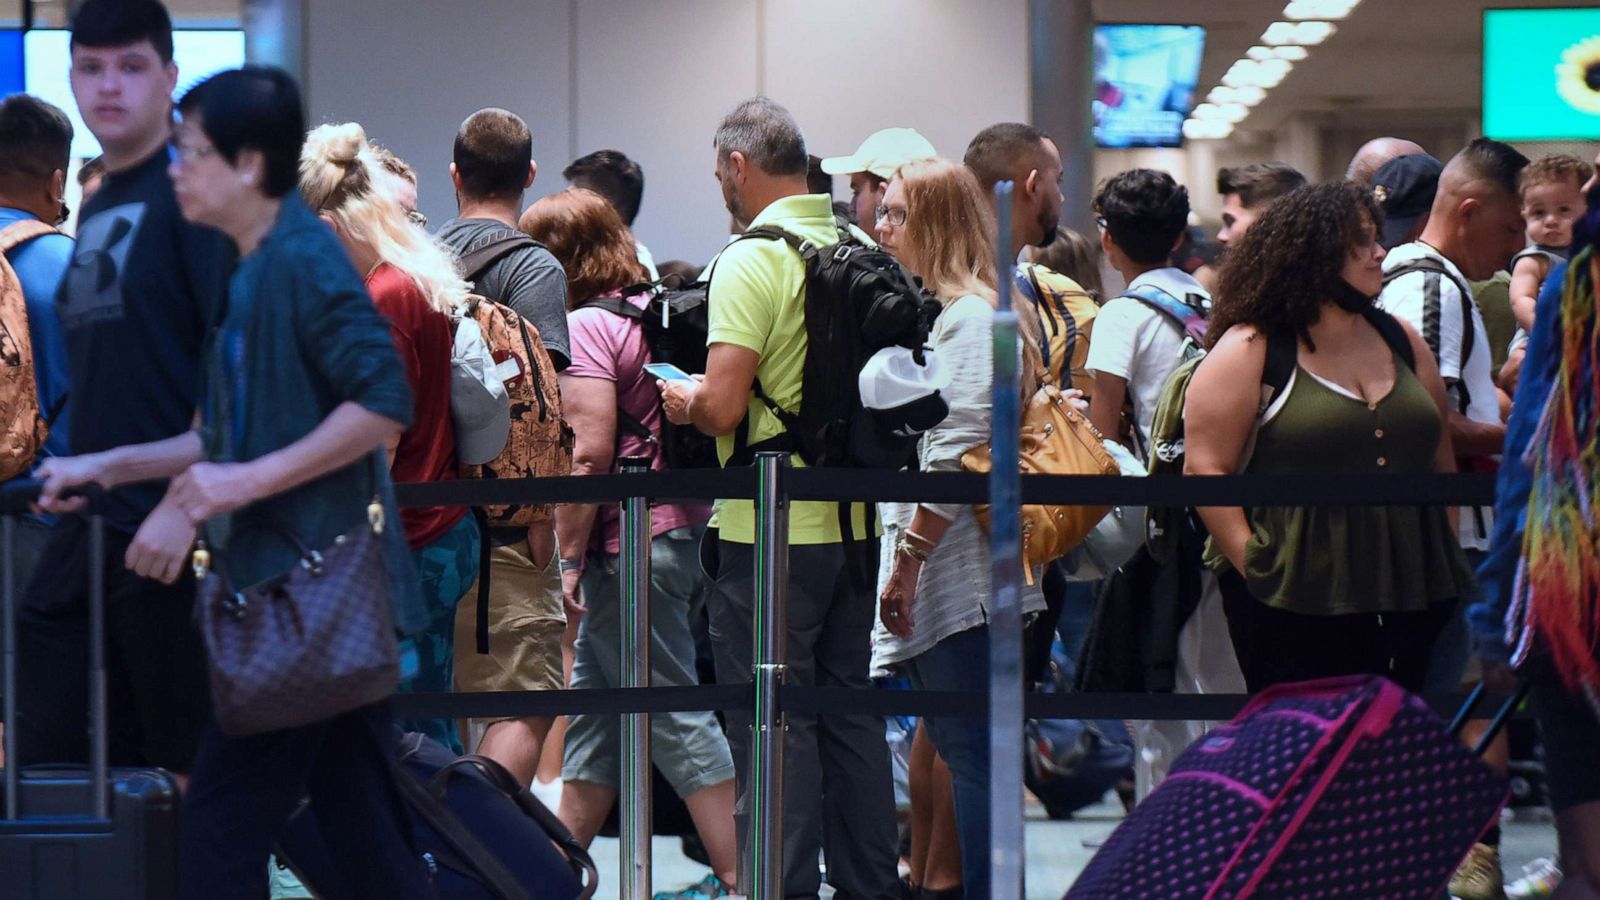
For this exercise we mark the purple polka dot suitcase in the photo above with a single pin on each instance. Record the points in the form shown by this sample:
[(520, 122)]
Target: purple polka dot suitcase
[(1341, 788)]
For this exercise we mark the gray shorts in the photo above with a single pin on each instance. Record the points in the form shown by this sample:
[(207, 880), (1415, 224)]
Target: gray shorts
[(688, 747)]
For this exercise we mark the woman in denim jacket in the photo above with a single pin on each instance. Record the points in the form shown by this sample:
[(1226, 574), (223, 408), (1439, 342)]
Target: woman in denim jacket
[(304, 387)]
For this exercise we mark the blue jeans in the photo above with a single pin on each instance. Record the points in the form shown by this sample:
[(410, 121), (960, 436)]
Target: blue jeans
[(960, 662)]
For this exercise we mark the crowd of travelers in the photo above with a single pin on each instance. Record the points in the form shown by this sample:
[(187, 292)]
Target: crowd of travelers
[(253, 335)]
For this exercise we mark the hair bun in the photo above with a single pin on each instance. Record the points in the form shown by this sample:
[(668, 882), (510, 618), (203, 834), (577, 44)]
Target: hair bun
[(340, 144)]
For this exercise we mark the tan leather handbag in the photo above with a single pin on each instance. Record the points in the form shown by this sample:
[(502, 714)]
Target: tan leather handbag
[(1056, 440)]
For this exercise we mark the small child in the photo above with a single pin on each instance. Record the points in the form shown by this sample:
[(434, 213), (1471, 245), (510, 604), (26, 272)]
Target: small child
[(1552, 200)]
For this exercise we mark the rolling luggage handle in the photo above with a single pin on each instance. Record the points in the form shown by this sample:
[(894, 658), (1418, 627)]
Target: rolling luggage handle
[(1498, 722), (15, 499)]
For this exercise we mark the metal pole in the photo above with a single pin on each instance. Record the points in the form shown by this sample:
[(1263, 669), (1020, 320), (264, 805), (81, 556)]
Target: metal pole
[(762, 875), (8, 557), (99, 764), (635, 654), (1005, 574)]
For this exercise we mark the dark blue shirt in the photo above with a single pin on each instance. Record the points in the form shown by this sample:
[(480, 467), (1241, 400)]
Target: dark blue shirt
[(1539, 367), (301, 337), (136, 302)]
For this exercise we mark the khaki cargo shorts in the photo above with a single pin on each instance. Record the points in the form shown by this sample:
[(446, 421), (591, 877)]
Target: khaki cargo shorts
[(526, 622)]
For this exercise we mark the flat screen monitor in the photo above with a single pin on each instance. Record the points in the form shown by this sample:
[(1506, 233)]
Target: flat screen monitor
[(47, 59), (1541, 74), (1145, 78), (11, 80)]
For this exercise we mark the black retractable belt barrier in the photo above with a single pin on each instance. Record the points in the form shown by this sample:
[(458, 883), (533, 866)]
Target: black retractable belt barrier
[(804, 700), (865, 486)]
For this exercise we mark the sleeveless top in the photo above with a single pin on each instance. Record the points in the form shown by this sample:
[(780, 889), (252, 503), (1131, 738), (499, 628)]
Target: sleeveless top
[(1359, 559)]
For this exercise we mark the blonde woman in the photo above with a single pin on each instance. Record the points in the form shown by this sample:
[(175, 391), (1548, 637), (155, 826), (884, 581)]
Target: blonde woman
[(934, 574), (413, 282)]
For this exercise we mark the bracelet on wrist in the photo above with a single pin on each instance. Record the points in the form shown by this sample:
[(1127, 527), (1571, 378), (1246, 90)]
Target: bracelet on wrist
[(904, 547), (569, 565), (926, 544)]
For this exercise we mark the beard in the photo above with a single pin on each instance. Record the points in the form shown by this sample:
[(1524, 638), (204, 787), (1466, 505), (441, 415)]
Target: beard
[(1050, 227), (735, 205)]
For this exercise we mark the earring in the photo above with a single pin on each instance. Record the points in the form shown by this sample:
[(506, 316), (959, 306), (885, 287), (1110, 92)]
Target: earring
[(250, 178)]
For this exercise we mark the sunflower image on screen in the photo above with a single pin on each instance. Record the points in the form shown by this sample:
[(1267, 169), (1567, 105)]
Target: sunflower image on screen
[(1541, 73), (1578, 76)]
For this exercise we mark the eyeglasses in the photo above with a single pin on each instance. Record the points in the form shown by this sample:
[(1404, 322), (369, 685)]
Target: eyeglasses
[(894, 217), (417, 218), (189, 154)]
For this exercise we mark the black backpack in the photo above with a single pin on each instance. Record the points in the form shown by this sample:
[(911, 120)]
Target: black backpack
[(858, 300), (675, 325)]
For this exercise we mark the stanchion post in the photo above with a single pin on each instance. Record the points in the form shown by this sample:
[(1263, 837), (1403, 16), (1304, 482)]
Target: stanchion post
[(635, 654), (761, 877), (1005, 574), (8, 583)]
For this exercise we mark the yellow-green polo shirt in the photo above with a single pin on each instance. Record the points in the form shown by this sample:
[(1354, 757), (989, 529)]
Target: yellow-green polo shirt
[(758, 302)]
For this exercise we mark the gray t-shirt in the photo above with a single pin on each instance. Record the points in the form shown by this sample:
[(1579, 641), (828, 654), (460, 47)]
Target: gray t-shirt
[(529, 280)]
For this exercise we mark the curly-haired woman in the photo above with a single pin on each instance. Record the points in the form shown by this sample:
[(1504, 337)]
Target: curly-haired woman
[(1312, 592)]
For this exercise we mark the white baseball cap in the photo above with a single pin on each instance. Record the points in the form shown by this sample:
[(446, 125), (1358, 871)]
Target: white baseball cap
[(904, 392), (882, 154)]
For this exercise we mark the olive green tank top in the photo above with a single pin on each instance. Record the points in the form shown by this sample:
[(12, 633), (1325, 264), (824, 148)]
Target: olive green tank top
[(1340, 560)]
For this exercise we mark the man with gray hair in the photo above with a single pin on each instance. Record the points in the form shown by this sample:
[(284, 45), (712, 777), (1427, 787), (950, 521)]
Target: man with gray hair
[(840, 798)]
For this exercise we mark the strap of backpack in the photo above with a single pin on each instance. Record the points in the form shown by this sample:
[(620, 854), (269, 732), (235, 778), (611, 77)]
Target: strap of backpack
[(18, 233), (1393, 334), (1190, 319), (1283, 355), (473, 264), (616, 306), (1428, 265), (485, 564)]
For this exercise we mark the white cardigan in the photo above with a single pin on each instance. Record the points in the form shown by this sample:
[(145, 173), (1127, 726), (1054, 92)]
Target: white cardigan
[(953, 592)]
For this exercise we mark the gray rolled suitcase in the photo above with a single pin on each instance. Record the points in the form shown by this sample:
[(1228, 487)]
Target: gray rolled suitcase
[(69, 832)]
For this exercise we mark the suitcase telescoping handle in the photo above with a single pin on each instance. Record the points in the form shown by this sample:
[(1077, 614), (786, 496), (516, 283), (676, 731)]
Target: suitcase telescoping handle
[(15, 498), (1501, 716)]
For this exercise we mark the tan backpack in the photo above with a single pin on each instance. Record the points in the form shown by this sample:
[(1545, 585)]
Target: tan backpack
[(23, 429), (540, 442)]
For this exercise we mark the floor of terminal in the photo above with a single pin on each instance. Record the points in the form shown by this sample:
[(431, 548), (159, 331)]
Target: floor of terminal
[(1057, 852)]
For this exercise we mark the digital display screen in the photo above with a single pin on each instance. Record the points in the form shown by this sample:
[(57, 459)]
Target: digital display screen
[(1145, 77), (1541, 74), (47, 59), (11, 80)]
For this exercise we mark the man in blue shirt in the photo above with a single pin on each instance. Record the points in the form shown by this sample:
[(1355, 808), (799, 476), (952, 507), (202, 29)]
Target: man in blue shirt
[(35, 143)]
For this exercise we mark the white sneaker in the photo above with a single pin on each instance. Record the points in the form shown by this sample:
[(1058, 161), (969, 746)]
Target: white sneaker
[(548, 792), (1540, 879)]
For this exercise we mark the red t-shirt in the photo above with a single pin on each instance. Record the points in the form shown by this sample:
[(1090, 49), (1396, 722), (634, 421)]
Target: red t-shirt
[(427, 450)]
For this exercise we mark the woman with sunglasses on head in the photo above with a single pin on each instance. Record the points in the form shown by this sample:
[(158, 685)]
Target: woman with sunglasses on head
[(413, 282)]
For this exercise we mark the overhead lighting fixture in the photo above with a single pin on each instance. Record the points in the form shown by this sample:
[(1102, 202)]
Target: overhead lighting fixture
[(1264, 73), (1307, 34), (1319, 9), (1291, 52), (1249, 96), (1206, 130)]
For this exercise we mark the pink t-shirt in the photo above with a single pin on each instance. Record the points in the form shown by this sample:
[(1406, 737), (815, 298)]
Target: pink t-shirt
[(606, 345)]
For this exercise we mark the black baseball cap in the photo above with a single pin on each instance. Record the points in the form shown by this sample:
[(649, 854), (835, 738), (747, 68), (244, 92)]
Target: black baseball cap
[(1405, 187)]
